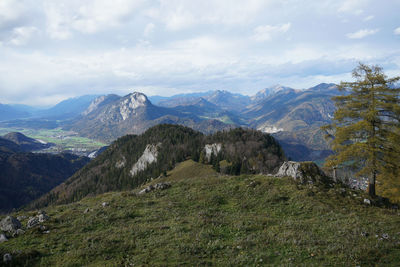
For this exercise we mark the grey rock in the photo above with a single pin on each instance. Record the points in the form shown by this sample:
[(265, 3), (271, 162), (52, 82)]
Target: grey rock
[(365, 234), (162, 186), (21, 218), (105, 204), (86, 210), (158, 186), (32, 222), (10, 224), (385, 236), (43, 217), (20, 232), (305, 172), (7, 258), (367, 201), (3, 238)]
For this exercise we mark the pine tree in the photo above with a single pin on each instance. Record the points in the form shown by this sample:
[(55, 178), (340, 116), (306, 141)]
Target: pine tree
[(365, 119)]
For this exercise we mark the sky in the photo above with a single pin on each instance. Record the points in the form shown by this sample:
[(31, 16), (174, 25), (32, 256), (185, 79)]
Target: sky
[(51, 50)]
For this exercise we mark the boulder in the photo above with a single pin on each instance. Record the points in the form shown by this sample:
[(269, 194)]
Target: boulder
[(162, 186), (7, 258), (304, 172), (32, 222), (3, 238), (10, 224), (158, 186), (42, 217)]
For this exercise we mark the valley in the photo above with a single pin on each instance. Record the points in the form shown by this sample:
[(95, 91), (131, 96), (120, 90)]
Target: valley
[(61, 140)]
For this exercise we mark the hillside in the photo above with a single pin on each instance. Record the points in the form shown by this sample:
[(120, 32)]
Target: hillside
[(27, 176), (26, 143), (132, 159), (205, 218)]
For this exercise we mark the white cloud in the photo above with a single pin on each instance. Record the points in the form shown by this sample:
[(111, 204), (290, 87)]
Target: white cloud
[(265, 32), (89, 16), (149, 29), (10, 10), (353, 6), (179, 15), (21, 35), (397, 31), (369, 18), (361, 33)]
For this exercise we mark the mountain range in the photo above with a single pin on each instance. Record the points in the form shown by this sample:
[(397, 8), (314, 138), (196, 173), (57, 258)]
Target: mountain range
[(293, 116)]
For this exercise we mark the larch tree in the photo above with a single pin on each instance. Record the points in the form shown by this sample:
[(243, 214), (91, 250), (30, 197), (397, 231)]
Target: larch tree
[(365, 126)]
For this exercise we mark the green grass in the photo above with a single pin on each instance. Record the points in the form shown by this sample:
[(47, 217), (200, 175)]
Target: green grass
[(209, 219)]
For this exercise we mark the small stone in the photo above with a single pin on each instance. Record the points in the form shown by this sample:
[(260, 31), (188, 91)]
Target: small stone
[(21, 218), (3, 238), (86, 210), (20, 232), (105, 204), (32, 222), (239, 247), (385, 236), (162, 186), (46, 232), (365, 234), (42, 227), (7, 258), (43, 217), (367, 201)]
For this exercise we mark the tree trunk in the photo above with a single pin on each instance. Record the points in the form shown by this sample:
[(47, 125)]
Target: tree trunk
[(371, 185)]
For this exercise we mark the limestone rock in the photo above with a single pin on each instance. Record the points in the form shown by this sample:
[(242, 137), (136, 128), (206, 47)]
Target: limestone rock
[(212, 149), (149, 156), (32, 222), (3, 238), (42, 216), (158, 186), (304, 172), (10, 224), (7, 258)]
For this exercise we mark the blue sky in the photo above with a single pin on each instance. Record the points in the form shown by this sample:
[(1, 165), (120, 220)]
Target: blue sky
[(54, 49)]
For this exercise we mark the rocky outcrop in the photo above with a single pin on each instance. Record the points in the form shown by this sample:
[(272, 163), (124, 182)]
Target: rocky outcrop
[(10, 224), (149, 156), (212, 149), (40, 218), (158, 186), (304, 172), (129, 105), (3, 238)]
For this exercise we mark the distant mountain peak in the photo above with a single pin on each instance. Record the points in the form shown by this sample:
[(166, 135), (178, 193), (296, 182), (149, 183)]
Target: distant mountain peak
[(269, 91), (131, 103)]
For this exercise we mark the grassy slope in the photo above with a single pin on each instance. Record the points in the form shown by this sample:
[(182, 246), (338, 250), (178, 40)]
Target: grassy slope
[(209, 219)]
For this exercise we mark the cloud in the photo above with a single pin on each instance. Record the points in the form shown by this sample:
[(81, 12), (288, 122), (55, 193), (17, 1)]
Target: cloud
[(21, 35), (353, 6), (10, 12), (63, 18), (265, 32), (362, 33), (149, 29), (179, 15), (397, 31), (369, 18)]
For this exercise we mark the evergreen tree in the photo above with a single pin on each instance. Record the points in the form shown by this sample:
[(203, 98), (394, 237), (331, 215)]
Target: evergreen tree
[(364, 123)]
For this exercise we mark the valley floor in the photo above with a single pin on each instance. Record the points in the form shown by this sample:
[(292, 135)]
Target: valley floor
[(208, 219)]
